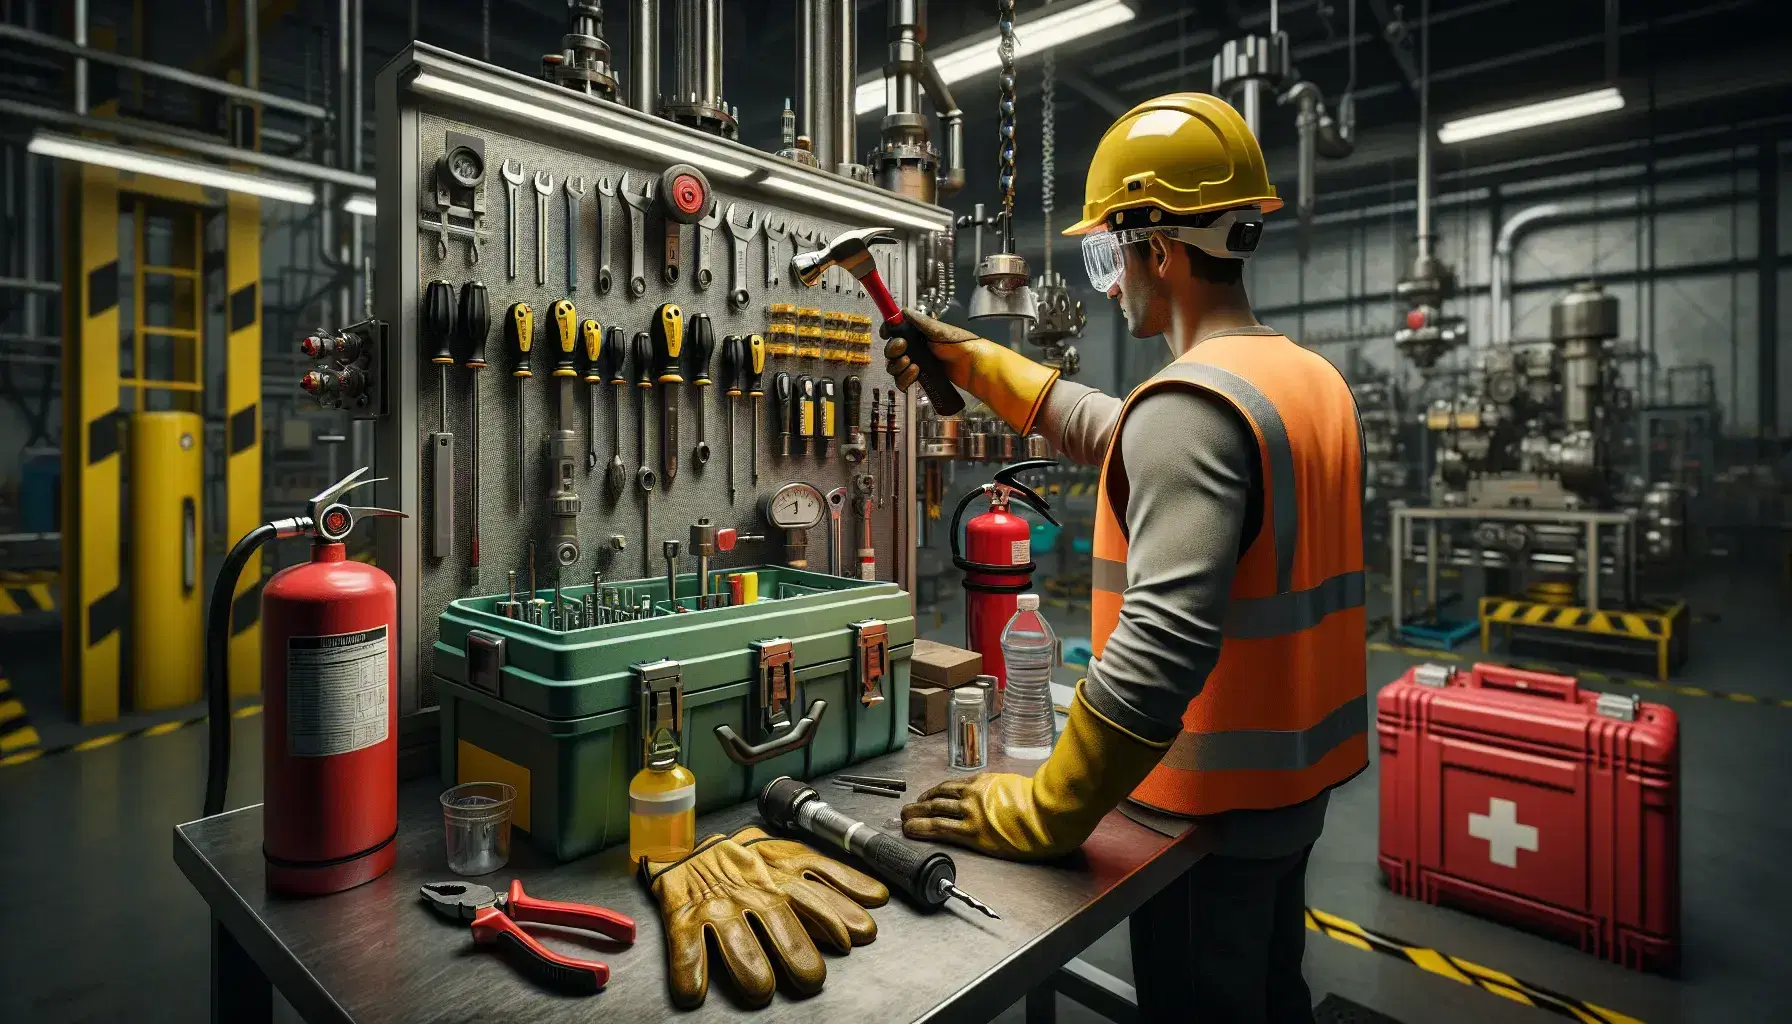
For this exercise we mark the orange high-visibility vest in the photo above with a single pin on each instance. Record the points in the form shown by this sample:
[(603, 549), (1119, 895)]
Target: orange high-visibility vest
[(1284, 714)]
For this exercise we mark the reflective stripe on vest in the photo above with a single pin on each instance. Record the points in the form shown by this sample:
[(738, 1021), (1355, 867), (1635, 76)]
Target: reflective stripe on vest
[(1267, 730)]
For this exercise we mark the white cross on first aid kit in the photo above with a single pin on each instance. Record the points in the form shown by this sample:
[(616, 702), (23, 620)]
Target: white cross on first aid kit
[(1504, 833)]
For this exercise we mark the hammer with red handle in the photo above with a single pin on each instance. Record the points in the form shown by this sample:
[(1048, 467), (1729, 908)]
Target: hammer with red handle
[(851, 252)]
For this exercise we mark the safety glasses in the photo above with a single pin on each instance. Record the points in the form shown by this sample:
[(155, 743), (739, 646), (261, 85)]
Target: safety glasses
[(1231, 234)]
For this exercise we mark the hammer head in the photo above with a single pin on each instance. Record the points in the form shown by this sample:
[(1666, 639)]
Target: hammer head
[(850, 250)]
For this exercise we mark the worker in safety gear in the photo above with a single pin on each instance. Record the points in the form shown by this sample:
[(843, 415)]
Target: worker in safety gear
[(1227, 686)]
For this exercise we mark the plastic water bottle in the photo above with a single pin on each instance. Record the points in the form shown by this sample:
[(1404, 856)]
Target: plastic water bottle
[(1029, 651)]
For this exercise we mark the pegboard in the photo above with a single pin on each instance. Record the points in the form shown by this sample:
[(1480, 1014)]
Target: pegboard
[(547, 130)]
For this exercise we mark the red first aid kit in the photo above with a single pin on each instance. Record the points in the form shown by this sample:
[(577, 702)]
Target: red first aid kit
[(1516, 795)]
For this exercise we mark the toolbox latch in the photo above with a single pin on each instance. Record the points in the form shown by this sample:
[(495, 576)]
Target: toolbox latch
[(1621, 706), (777, 684), (485, 660), (661, 687), (871, 660), (1433, 674)]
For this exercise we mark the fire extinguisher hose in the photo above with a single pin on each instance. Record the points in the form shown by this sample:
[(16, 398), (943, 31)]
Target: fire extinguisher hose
[(217, 663)]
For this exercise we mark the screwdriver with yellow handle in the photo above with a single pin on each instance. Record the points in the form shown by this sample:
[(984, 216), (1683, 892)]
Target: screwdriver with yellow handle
[(593, 337), (755, 374), (667, 330), (519, 334)]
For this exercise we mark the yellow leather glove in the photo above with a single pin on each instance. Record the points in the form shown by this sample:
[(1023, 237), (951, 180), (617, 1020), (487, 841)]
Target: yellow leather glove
[(707, 896), (829, 896), (1093, 767), (1013, 386)]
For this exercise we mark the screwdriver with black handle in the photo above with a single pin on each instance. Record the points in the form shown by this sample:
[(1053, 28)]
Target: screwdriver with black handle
[(929, 878), (668, 350), (854, 447), (438, 332), (805, 414), (475, 327), (786, 412), (519, 334), (645, 477), (732, 353), (703, 348), (754, 369), (826, 447), (562, 493), (614, 351)]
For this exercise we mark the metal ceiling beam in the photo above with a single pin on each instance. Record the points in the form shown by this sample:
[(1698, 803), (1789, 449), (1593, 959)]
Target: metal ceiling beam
[(1402, 57), (1079, 83)]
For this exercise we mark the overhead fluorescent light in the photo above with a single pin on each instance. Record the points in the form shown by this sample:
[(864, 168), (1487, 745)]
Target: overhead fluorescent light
[(101, 154), (885, 213), (360, 206), (1065, 23), (1531, 115), (636, 139)]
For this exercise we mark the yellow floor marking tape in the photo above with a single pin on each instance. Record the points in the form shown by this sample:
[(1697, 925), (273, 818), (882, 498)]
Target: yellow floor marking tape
[(11, 743), (9, 710), (1463, 972)]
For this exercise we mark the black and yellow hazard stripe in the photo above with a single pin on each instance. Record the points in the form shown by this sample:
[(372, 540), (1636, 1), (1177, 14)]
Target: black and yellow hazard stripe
[(108, 739), (22, 593), (1587, 675), (92, 597), (1463, 971), (1651, 627), (242, 432), (17, 735)]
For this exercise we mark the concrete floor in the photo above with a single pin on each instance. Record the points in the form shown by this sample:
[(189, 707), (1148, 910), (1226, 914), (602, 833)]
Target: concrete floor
[(105, 928)]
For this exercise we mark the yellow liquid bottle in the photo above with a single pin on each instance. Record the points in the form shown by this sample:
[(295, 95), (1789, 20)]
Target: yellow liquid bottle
[(662, 812)]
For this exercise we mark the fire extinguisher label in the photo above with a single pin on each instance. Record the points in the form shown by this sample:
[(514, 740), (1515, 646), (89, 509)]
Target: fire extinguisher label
[(336, 693), (1020, 552)]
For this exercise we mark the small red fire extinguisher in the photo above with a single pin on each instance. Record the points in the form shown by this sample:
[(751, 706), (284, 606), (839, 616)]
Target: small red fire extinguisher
[(997, 560), (330, 703)]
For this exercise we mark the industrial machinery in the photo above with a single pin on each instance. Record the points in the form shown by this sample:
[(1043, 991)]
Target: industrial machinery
[(1537, 425)]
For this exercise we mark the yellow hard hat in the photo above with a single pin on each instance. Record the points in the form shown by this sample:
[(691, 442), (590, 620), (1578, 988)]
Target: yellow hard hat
[(1186, 152)]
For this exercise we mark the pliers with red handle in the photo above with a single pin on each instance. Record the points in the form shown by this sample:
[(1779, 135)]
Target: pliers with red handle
[(495, 918)]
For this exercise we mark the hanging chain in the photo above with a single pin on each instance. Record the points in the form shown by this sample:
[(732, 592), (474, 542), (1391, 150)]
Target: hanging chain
[(1048, 144), (1005, 21)]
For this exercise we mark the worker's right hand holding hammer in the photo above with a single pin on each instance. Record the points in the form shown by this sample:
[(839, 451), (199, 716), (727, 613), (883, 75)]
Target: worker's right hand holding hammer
[(1012, 385)]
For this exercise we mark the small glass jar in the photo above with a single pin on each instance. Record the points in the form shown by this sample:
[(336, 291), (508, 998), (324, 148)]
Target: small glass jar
[(967, 730)]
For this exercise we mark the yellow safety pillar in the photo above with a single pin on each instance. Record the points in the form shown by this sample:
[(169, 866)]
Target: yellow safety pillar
[(167, 617), (242, 433), (93, 605)]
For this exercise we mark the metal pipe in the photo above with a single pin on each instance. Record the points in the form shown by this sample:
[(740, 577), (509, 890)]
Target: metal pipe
[(252, 44), (1500, 290), (952, 120), (842, 82), (29, 284), (807, 104), (1424, 129), (697, 51), (901, 86), (644, 57), (82, 53), (820, 120), (81, 60), (125, 128)]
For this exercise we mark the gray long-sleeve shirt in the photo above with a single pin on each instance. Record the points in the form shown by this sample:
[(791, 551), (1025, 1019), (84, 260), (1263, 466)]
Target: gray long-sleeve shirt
[(1195, 504)]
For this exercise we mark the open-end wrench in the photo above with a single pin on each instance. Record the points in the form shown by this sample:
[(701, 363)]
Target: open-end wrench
[(544, 187), (739, 235), (575, 195), (512, 181), (637, 229), (836, 528), (706, 241), (775, 233), (671, 237), (606, 189)]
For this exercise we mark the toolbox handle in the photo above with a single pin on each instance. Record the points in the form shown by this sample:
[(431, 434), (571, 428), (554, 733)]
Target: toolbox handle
[(1544, 684), (743, 753)]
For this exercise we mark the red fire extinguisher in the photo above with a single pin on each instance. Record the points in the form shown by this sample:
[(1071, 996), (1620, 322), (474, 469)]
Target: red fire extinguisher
[(330, 703), (997, 560)]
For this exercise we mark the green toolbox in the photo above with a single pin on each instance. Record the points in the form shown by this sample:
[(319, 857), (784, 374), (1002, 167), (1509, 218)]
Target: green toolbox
[(811, 677)]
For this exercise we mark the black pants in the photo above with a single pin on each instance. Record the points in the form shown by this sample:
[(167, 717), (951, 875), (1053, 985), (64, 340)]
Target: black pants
[(1223, 944)]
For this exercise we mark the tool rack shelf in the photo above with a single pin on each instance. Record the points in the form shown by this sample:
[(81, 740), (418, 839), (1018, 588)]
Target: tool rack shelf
[(427, 100)]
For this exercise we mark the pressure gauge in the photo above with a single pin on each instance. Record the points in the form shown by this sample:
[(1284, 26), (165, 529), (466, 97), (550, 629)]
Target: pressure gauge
[(794, 506)]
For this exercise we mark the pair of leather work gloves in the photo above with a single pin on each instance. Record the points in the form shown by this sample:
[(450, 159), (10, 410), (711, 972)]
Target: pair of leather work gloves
[(767, 903)]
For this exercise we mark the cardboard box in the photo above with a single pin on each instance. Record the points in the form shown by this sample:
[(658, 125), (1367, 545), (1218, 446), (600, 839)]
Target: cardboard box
[(927, 708), (935, 664)]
